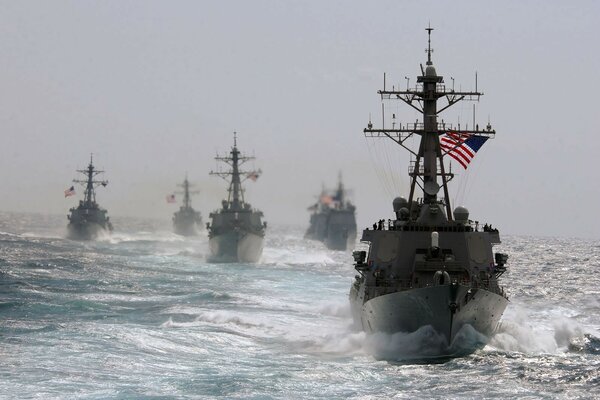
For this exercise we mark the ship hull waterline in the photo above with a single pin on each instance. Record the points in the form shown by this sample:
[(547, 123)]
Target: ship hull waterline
[(449, 309), (185, 228), (235, 247), (87, 231), (341, 241)]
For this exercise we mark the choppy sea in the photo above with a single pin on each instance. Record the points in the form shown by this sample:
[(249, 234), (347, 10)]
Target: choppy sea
[(141, 314)]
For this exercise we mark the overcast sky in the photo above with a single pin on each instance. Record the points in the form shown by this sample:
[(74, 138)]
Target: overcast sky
[(154, 89)]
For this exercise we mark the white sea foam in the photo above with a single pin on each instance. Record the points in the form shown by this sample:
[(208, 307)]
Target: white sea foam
[(291, 257), (231, 318), (41, 235), (120, 237), (335, 309), (519, 332)]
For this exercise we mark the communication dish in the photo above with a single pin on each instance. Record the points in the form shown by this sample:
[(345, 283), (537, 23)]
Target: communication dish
[(431, 188)]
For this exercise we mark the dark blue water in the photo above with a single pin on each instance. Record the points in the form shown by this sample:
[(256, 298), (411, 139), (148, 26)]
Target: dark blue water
[(142, 315)]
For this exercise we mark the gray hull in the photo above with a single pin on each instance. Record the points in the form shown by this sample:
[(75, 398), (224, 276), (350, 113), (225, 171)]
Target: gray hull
[(87, 231), (335, 228), (236, 247), (185, 228), (341, 240), (447, 308)]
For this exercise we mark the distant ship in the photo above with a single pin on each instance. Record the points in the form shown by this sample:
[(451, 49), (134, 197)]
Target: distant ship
[(431, 267), (333, 220), (186, 220), (88, 220), (236, 231)]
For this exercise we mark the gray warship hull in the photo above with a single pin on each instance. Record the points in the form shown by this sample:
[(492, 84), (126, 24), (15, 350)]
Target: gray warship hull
[(448, 309), (185, 226), (188, 229), (86, 231), (236, 246), (341, 239), (335, 228), (88, 223)]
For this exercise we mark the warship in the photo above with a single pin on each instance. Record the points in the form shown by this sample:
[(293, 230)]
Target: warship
[(88, 220), (332, 220), (236, 232), (430, 267), (186, 219)]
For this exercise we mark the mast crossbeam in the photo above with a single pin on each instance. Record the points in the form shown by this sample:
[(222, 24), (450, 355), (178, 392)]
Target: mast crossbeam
[(397, 133), (241, 159), (412, 94)]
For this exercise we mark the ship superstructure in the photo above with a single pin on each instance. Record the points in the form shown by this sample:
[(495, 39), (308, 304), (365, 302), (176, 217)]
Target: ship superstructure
[(333, 219), (88, 220), (186, 220), (236, 231), (430, 266)]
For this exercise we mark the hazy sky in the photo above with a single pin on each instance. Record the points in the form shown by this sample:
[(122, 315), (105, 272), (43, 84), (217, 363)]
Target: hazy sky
[(154, 89)]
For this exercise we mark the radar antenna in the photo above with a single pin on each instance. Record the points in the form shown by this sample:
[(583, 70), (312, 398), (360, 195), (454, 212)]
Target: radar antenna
[(429, 49)]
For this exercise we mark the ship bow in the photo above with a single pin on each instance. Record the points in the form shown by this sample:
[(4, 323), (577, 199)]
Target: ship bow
[(466, 318)]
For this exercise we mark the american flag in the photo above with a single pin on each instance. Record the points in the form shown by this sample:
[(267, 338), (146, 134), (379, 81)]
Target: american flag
[(170, 198), (326, 199), (70, 191), (254, 175), (462, 146)]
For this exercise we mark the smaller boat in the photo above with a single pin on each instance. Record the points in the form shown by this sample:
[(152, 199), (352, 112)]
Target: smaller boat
[(87, 221), (236, 231), (186, 220), (333, 219)]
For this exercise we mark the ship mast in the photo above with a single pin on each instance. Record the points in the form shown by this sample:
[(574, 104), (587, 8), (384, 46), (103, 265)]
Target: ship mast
[(340, 194), (90, 183), (428, 164), (235, 160), (186, 193), (187, 202)]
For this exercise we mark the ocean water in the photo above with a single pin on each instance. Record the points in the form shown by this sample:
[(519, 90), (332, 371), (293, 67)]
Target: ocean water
[(141, 314)]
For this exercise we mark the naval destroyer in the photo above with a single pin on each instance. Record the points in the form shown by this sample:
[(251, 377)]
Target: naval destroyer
[(430, 266), (88, 220), (186, 219), (236, 232), (333, 220)]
